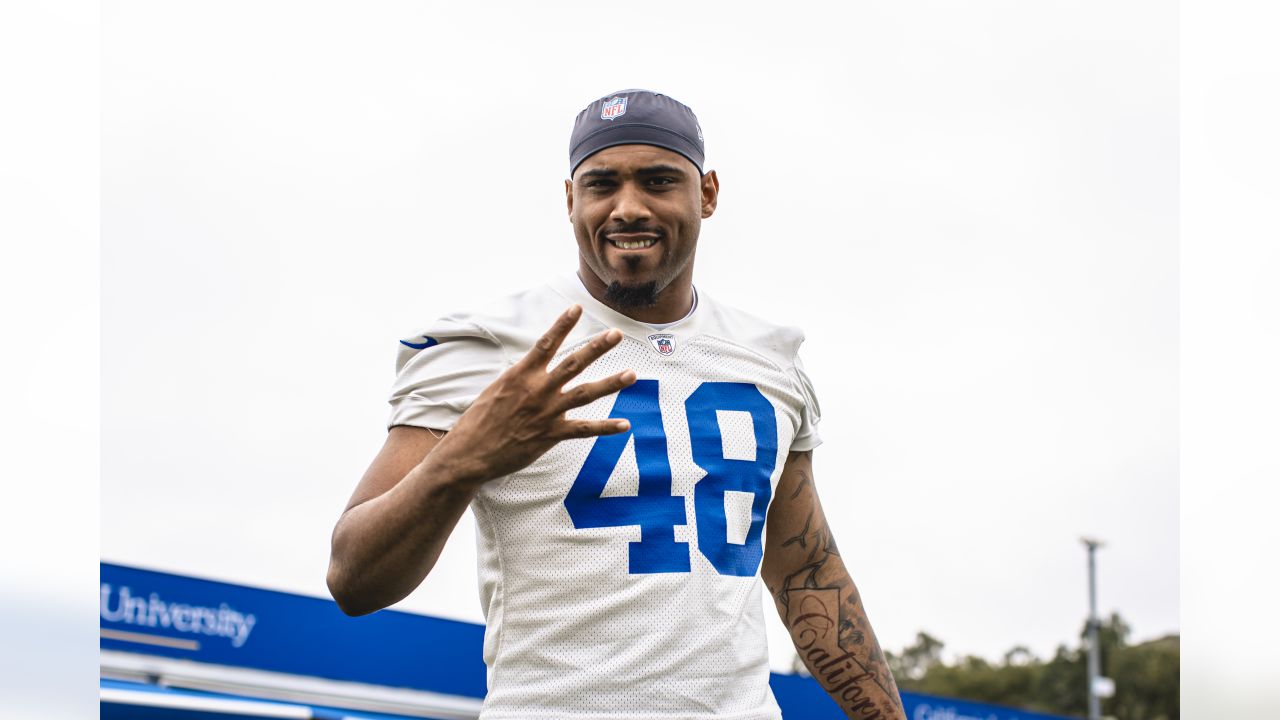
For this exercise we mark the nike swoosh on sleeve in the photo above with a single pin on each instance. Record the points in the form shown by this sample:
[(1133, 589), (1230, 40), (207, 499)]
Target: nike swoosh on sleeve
[(421, 346)]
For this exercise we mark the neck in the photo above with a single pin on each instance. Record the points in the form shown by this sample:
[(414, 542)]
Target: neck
[(673, 302)]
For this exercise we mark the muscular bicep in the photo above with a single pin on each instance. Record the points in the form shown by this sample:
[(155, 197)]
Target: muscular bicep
[(405, 447), (798, 541)]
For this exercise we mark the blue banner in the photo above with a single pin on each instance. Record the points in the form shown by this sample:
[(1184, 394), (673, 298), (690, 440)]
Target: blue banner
[(157, 613), (802, 697)]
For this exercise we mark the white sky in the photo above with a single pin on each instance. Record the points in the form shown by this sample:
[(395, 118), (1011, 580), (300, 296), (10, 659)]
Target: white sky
[(971, 208)]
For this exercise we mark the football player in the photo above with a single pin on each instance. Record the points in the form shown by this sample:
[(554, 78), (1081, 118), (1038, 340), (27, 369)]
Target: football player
[(636, 463)]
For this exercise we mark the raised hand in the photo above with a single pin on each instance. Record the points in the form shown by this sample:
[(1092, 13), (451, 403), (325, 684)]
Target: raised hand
[(521, 415)]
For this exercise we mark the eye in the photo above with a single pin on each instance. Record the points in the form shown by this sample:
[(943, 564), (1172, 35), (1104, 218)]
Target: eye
[(660, 181)]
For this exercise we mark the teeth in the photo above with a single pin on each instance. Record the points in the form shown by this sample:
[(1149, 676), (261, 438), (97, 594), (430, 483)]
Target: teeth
[(632, 244)]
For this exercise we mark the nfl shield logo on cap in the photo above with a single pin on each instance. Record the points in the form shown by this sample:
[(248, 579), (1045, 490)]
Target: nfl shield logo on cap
[(614, 108), (664, 343)]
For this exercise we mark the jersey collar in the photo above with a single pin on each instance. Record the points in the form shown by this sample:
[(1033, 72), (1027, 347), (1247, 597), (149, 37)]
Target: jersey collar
[(571, 287)]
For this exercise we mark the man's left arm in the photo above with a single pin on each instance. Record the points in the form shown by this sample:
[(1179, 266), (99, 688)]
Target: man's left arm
[(819, 604)]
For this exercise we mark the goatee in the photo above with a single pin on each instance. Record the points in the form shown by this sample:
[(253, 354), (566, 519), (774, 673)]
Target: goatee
[(632, 296)]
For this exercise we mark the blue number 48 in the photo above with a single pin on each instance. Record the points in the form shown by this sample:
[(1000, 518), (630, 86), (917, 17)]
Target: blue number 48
[(654, 508)]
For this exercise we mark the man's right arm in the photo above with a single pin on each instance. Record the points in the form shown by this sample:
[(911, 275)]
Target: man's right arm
[(396, 523), (410, 499)]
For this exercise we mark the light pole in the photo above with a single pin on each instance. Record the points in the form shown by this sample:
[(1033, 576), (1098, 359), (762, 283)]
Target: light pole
[(1095, 706)]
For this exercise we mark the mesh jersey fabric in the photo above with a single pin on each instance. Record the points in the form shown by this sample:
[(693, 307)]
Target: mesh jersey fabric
[(581, 623)]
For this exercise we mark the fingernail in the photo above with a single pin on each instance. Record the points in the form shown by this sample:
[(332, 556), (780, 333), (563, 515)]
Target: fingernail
[(624, 425), (613, 334)]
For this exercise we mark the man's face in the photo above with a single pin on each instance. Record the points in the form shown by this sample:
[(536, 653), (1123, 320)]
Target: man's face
[(636, 211)]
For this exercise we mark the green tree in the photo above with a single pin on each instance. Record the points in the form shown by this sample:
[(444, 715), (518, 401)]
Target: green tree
[(1060, 687), (916, 659), (1146, 675)]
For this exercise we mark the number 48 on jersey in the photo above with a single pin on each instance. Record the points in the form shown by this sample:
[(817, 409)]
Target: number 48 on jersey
[(654, 508)]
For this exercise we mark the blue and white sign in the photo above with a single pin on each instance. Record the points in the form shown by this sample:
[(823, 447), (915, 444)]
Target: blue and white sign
[(801, 697), (157, 613)]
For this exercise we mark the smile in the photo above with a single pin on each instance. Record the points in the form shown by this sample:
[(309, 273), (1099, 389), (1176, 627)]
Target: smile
[(631, 241)]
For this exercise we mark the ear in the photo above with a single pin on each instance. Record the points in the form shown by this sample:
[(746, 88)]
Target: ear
[(568, 197), (710, 193)]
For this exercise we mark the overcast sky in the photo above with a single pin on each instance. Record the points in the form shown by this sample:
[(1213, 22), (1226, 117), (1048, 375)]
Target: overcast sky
[(970, 208)]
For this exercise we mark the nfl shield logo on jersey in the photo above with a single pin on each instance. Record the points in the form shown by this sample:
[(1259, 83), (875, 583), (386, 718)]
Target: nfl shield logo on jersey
[(664, 343), (614, 108)]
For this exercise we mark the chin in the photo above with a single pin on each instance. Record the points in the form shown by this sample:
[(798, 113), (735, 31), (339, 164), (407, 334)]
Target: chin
[(631, 272), (632, 294)]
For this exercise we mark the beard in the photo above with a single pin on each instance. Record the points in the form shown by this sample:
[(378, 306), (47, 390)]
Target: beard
[(632, 296)]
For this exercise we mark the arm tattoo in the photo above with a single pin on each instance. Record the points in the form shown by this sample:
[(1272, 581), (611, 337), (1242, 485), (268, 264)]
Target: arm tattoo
[(817, 598), (806, 480)]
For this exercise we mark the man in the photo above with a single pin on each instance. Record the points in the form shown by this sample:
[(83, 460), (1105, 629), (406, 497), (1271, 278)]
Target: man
[(620, 465)]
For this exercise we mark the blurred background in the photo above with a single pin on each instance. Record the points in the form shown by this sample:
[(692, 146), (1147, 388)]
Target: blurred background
[(970, 208)]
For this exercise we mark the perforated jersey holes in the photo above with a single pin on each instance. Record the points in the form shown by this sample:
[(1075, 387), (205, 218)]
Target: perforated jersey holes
[(577, 628)]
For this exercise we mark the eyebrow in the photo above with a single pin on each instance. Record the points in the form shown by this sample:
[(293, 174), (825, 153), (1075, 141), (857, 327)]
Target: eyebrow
[(650, 170), (661, 170)]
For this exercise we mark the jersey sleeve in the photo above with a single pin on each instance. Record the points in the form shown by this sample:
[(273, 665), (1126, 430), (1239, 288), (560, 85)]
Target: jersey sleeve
[(440, 371), (807, 437)]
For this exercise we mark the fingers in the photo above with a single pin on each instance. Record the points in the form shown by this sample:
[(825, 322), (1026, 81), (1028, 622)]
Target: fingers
[(590, 392), (577, 361), (546, 347), (574, 429)]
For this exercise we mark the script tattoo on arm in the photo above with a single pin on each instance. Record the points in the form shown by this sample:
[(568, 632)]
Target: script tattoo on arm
[(819, 603)]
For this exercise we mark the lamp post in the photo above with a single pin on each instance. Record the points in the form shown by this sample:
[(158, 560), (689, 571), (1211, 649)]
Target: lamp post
[(1095, 706)]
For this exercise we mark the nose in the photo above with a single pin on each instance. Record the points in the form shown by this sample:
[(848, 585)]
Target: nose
[(629, 205)]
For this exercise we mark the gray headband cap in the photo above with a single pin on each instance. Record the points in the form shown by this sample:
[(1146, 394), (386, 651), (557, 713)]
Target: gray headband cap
[(636, 117)]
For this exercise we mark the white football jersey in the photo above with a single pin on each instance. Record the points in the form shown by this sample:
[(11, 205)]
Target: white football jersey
[(619, 576)]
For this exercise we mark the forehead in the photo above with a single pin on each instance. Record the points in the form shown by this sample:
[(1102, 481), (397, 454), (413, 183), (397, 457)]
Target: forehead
[(629, 158)]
